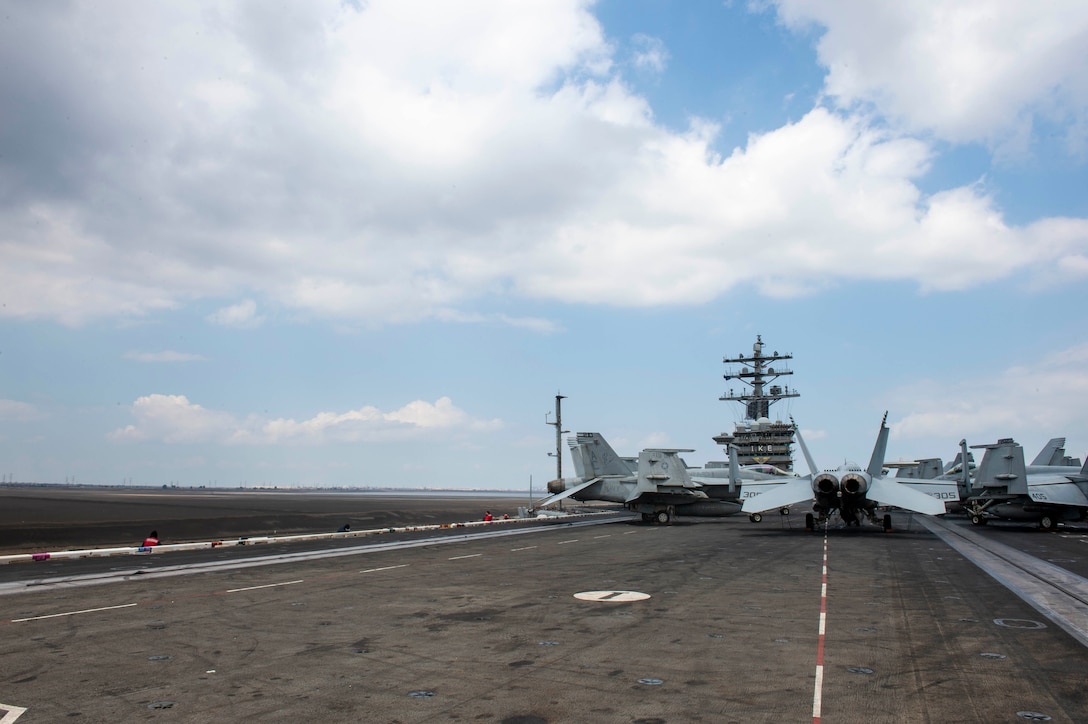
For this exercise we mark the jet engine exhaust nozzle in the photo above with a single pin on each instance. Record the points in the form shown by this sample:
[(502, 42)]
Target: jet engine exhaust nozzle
[(825, 483), (556, 486), (855, 483)]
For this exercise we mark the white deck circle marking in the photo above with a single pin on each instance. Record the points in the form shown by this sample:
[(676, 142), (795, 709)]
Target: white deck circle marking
[(611, 596)]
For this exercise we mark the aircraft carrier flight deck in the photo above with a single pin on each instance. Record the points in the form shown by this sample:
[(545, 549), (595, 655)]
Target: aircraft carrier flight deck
[(607, 620)]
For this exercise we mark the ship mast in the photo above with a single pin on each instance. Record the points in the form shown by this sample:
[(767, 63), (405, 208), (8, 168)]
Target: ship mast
[(759, 440)]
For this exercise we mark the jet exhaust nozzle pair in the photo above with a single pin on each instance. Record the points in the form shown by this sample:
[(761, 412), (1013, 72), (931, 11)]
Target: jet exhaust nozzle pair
[(850, 484)]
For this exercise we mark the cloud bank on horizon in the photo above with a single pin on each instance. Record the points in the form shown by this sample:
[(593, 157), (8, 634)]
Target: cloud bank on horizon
[(367, 165)]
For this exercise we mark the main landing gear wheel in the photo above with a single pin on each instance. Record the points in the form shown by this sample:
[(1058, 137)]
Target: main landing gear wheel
[(887, 523), (810, 522), (663, 517), (755, 517), (784, 511), (1047, 523), (978, 520)]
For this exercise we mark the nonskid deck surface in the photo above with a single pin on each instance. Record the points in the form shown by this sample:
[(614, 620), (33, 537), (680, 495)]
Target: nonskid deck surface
[(493, 629)]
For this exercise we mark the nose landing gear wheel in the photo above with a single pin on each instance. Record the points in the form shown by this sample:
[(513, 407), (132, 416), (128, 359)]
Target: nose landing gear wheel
[(755, 517)]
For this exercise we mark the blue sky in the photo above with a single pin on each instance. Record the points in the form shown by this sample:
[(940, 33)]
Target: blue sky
[(325, 243)]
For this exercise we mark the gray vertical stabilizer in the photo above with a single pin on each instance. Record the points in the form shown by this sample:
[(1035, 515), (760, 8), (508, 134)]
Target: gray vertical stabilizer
[(661, 469), (734, 468), (1053, 453), (804, 449), (924, 469), (963, 485), (876, 462), (598, 457), (1002, 466), (578, 455)]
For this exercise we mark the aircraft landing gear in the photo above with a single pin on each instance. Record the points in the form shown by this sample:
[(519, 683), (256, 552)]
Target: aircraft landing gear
[(887, 523), (755, 517), (662, 517), (810, 522), (647, 518), (1047, 523), (978, 519), (784, 511)]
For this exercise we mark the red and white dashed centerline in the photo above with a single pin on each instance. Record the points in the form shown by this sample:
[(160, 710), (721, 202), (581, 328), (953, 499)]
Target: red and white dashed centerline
[(818, 688)]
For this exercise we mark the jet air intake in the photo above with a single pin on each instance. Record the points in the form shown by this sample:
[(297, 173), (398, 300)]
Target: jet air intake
[(855, 483), (825, 483)]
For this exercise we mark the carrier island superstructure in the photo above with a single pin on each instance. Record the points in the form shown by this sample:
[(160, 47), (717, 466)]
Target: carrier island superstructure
[(758, 440)]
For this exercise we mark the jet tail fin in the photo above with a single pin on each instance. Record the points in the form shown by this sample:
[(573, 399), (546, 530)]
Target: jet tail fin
[(596, 457), (804, 449), (1052, 453), (660, 468), (1002, 466), (734, 468), (964, 483), (930, 468), (876, 462), (579, 455)]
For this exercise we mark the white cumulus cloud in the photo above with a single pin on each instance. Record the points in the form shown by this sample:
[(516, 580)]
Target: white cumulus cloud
[(19, 411), (174, 419), (1048, 398), (970, 70), (400, 160), (240, 316)]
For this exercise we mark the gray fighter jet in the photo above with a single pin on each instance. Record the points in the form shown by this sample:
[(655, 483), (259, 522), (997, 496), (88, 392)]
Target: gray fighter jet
[(955, 485), (658, 484), (854, 493), (951, 484), (1004, 487)]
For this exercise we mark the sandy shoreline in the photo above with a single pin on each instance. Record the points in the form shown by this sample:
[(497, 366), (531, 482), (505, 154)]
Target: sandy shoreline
[(36, 518)]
